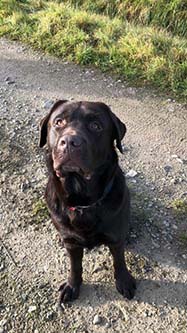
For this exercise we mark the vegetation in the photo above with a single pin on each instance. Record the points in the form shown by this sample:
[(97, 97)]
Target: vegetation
[(39, 211), (179, 207), (123, 37), (171, 15), (183, 238)]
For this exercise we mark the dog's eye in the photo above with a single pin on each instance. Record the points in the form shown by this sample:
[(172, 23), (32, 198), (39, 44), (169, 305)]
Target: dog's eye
[(95, 126), (60, 122)]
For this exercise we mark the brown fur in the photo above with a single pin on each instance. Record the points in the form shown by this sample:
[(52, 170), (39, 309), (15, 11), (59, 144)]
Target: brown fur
[(86, 192)]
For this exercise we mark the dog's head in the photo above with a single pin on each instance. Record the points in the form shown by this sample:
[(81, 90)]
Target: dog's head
[(80, 136)]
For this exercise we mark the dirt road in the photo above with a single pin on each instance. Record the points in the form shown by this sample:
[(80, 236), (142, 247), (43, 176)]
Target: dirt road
[(33, 263)]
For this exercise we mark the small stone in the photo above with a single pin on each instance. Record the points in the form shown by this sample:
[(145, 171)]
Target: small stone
[(184, 194), (131, 173), (3, 323), (23, 187), (179, 160), (131, 91), (145, 314), (48, 104), (2, 266), (32, 308), (174, 181), (133, 181), (157, 246), (9, 80), (167, 169), (24, 297), (174, 226), (49, 316), (124, 148), (166, 223), (184, 256), (97, 269), (97, 320)]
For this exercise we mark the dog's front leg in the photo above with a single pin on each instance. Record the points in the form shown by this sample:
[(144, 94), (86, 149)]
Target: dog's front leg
[(125, 283), (70, 289)]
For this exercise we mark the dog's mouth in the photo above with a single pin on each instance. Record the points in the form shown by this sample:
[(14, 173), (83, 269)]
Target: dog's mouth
[(70, 167)]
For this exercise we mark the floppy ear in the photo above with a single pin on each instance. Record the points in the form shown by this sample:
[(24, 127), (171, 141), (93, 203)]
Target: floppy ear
[(120, 130), (44, 122)]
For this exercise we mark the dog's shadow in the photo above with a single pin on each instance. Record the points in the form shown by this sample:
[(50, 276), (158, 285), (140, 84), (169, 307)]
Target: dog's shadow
[(154, 292)]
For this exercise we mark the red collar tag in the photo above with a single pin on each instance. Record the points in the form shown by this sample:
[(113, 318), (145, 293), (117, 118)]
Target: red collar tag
[(72, 209)]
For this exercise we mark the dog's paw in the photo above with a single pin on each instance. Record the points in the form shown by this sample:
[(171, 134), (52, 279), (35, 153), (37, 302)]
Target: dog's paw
[(68, 293), (126, 285)]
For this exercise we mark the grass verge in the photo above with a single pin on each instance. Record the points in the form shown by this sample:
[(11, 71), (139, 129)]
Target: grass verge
[(139, 53), (170, 15)]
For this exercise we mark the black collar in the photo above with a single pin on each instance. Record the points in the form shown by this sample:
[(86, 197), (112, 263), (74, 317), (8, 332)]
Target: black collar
[(96, 203)]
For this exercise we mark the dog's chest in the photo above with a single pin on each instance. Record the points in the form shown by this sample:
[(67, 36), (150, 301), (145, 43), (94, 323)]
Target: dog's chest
[(83, 228)]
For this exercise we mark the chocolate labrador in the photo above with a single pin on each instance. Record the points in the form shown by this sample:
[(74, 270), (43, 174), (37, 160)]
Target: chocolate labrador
[(86, 192)]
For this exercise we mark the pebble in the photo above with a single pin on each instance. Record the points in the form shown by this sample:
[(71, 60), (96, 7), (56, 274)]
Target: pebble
[(166, 223), (174, 226), (179, 160), (184, 194), (167, 169), (146, 313), (97, 320), (50, 316), (32, 308), (133, 181), (24, 297), (157, 246), (3, 322), (48, 104), (131, 91), (2, 266), (9, 80), (131, 173), (174, 181)]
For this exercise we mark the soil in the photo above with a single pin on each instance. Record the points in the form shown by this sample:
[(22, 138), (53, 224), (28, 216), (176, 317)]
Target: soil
[(32, 261)]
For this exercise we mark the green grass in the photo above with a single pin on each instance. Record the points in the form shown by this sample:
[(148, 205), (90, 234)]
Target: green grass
[(39, 211), (183, 238), (168, 14), (179, 208), (142, 54)]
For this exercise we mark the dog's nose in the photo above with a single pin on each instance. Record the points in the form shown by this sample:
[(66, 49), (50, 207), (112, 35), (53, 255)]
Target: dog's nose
[(71, 141)]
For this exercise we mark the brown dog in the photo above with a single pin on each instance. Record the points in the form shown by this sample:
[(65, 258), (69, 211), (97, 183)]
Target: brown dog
[(86, 192)]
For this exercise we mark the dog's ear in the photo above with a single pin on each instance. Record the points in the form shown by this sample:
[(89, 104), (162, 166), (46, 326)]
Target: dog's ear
[(120, 130), (44, 122)]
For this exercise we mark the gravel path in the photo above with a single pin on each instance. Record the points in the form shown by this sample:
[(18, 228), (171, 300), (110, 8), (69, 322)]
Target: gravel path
[(33, 263)]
